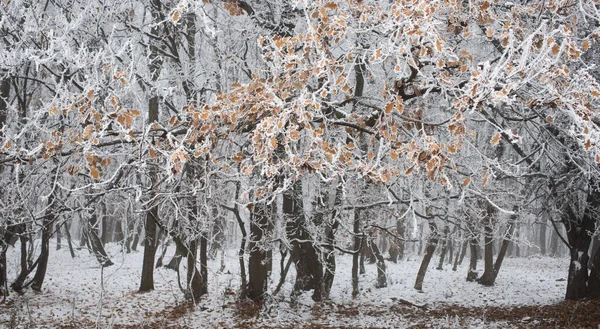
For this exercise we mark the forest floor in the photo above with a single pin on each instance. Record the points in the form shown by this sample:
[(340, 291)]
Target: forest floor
[(77, 293)]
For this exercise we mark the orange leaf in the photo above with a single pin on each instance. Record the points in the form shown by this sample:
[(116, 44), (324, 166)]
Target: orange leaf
[(467, 181), (94, 172), (496, 139), (87, 132), (175, 16)]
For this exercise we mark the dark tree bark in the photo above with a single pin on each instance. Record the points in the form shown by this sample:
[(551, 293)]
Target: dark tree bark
[(579, 234), (356, 252), (118, 234), (4, 94), (594, 279), (487, 278), (304, 255), (430, 249), (542, 236), (445, 242), (204, 264), (150, 241), (194, 278), (257, 267), (381, 275), (17, 285), (58, 238), (40, 273), (175, 261), (473, 242), (554, 241), (150, 244), (96, 243), (69, 239)]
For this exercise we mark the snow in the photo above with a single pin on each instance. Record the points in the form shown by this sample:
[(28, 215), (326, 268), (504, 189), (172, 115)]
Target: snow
[(79, 293)]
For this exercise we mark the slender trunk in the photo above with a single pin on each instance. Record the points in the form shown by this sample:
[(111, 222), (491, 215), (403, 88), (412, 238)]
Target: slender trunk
[(119, 237), (69, 240), (473, 242), (242, 249), (17, 285), (284, 271), (58, 238), (176, 259), (165, 245), (204, 264), (505, 242), (554, 241), (96, 243), (542, 232), (430, 249), (194, 278), (40, 273), (463, 251), (3, 270), (487, 278), (381, 275), (444, 248), (401, 230), (4, 94), (150, 242), (356, 253), (459, 255)]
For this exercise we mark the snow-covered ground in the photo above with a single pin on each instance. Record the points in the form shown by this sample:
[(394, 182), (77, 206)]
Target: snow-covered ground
[(77, 293)]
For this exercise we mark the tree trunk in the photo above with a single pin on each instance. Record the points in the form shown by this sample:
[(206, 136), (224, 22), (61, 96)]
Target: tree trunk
[(176, 259), (594, 279), (3, 269), (17, 285), (579, 235), (58, 238), (330, 264), (150, 244), (510, 229), (543, 237), (473, 242), (40, 273), (381, 276), (204, 264), (554, 241), (150, 241), (194, 278), (430, 249), (119, 237), (356, 253), (257, 267), (303, 253), (487, 278), (69, 240), (445, 242), (4, 94), (96, 243)]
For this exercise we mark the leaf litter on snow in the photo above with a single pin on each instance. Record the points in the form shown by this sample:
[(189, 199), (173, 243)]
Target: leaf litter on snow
[(77, 292)]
